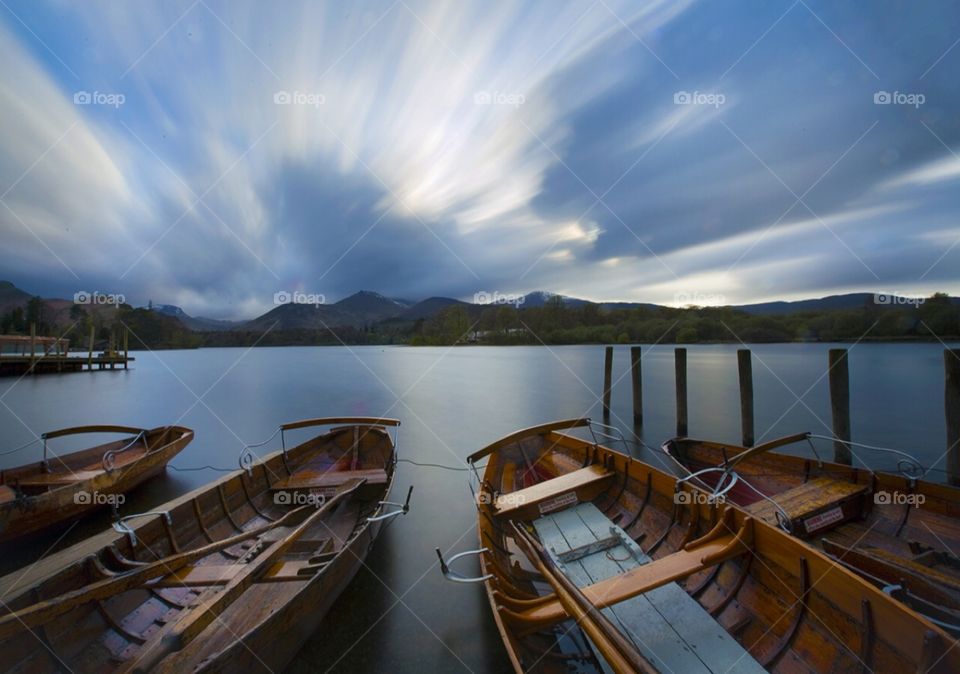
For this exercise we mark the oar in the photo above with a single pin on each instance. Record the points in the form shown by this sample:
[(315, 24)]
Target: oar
[(43, 611), (621, 654), (213, 602)]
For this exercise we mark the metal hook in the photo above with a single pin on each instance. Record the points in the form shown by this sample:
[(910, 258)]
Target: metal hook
[(404, 508), (121, 527), (457, 577)]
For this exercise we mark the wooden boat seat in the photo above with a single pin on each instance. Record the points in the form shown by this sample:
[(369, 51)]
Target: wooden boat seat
[(667, 625), (317, 479), (562, 491), (815, 506)]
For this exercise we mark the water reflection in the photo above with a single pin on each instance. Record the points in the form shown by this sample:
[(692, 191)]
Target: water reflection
[(399, 614)]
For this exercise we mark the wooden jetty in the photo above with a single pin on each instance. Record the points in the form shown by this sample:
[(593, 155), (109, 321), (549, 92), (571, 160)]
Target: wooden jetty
[(30, 354)]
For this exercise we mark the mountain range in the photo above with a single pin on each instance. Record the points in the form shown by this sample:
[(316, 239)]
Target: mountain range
[(366, 308)]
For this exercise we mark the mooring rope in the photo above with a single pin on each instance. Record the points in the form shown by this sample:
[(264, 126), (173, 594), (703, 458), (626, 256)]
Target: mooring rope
[(17, 449)]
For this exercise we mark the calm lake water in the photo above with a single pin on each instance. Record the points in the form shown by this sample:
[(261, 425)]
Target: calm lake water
[(399, 614)]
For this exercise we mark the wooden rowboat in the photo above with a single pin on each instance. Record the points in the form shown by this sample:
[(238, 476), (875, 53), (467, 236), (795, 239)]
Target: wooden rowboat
[(897, 531), (594, 561), (61, 488), (234, 576)]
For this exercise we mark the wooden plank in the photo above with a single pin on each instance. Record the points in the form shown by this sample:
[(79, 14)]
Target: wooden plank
[(583, 484), (57, 479), (651, 620), (670, 627), (814, 506)]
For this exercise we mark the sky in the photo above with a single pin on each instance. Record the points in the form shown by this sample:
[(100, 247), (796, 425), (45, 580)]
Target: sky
[(210, 154)]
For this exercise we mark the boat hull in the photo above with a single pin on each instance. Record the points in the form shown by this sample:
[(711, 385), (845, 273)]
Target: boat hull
[(294, 569), (788, 606), (30, 514)]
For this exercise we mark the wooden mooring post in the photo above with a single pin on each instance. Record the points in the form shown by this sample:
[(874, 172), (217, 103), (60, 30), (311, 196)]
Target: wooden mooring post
[(607, 378), (90, 352), (33, 346), (636, 379), (840, 405), (126, 347), (745, 370), (680, 367), (951, 399)]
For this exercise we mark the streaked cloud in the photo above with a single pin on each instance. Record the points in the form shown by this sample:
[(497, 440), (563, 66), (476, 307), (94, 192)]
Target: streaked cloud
[(615, 150)]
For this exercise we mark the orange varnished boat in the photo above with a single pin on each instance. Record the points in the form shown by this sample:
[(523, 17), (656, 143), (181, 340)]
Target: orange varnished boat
[(231, 577), (61, 488), (898, 531), (594, 561)]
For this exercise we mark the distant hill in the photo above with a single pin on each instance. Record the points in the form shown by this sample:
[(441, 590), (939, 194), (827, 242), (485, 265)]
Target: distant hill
[(362, 308), (539, 298), (368, 306), (11, 296), (198, 323), (429, 307), (829, 303)]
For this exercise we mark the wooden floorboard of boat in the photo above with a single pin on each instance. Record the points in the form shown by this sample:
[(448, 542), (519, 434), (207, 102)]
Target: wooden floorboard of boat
[(672, 630)]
